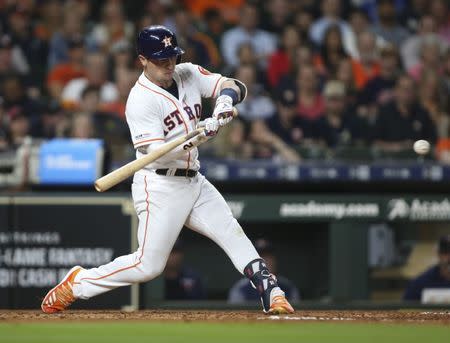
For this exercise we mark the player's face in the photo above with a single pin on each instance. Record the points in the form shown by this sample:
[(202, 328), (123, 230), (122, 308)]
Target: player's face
[(159, 71)]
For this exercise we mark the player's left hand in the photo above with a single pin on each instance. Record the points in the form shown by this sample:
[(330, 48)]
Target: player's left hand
[(211, 126), (223, 110)]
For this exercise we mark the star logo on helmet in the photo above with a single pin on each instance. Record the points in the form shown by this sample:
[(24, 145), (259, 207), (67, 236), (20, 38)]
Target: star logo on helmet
[(167, 41)]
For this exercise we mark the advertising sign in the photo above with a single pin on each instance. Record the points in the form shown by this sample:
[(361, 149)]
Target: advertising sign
[(70, 161)]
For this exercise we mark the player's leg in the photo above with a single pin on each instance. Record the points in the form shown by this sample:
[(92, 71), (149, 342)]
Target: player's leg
[(212, 217), (162, 205)]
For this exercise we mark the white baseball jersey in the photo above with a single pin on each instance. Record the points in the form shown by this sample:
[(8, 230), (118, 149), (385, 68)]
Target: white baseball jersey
[(155, 116)]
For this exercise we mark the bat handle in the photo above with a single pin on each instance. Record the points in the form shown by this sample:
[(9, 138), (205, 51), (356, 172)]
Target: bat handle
[(202, 123)]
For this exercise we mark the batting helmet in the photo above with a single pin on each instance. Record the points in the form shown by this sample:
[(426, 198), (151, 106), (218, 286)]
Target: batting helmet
[(158, 42)]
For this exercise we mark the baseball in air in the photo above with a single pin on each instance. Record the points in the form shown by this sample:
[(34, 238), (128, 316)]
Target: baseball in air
[(421, 147)]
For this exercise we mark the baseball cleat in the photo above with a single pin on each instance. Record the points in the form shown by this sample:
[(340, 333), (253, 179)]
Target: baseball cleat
[(279, 303), (61, 296)]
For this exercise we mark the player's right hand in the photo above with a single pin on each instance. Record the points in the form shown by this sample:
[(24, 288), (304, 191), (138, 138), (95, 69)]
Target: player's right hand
[(223, 110), (211, 126)]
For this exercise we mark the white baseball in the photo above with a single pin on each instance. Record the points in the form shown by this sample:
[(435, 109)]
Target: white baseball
[(421, 147)]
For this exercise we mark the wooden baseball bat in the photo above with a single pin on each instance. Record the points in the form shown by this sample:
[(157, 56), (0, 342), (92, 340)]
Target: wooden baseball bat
[(109, 180)]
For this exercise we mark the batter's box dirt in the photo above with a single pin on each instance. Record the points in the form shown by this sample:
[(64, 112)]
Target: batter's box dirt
[(426, 317)]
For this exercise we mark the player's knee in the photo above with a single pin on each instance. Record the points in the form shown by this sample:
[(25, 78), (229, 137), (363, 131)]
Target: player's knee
[(151, 269)]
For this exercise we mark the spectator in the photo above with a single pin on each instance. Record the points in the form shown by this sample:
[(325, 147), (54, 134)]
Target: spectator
[(446, 71), (286, 124), (19, 126), (15, 96), (278, 16), (215, 27), (410, 49), (90, 100), (366, 67), (232, 143), (113, 26), (121, 60), (108, 126), (331, 50), (330, 15), (388, 27), (242, 291), (247, 57), (62, 73), (303, 20), (403, 121), (267, 145), (50, 19), (310, 102), (96, 75), (281, 62), (11, 58), (82, 126), (434, 99), (229, 9), (263, 43), (257, 105), (305, 56), (430, 57), (437, 277), (199, 47), (336, 127), (159, 12), (440, 11), (53, 122), (124, 82), (180, 281), (380, 90), (413, 13), (359, 22), (344, 73), (72, 28), (4, 141), (32, 47)]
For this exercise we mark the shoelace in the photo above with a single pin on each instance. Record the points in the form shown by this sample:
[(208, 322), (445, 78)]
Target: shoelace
[(278, 299), (64, 294)]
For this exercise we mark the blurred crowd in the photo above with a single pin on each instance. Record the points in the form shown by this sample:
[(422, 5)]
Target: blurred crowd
[(322, 76)]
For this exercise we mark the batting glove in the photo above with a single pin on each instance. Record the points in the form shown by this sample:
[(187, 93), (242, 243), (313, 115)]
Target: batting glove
[(223, 110), (211, 126)]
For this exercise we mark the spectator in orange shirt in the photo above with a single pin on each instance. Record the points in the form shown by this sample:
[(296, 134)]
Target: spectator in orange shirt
[(62, 73), (229, 8), (367, 66)]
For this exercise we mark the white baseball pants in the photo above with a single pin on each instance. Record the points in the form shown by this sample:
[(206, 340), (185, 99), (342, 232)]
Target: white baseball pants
[(164, 204)]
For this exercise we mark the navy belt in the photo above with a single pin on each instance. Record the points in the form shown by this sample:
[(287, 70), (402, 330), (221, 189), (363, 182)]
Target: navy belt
[(178, 172)]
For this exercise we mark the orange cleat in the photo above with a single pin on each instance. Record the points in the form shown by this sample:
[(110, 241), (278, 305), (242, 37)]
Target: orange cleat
[(279, 303), (61, 296)]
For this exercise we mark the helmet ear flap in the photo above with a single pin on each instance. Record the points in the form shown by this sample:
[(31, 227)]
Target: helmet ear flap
[(178, 59)]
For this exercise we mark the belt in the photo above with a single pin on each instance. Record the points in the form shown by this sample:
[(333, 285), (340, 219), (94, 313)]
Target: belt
[(177, 172)]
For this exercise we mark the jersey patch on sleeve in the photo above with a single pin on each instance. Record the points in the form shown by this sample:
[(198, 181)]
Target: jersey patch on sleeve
[(142, 136), (204, 71)]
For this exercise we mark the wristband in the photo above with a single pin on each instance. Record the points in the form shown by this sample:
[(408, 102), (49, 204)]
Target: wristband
[(231, 93)]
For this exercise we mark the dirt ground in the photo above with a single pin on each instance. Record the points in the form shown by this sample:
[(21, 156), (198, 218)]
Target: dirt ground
[(425, 317)]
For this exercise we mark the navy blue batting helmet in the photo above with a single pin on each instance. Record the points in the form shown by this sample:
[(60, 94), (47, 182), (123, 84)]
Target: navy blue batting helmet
[(158, 42)]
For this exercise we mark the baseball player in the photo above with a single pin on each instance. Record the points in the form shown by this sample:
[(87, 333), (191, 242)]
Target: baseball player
[(164, 104)]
